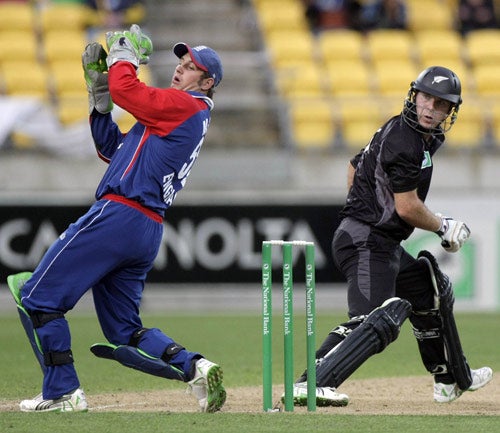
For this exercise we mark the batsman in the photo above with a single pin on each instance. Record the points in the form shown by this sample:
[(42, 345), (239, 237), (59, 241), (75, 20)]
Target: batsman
[(111, 248), (388, 182)]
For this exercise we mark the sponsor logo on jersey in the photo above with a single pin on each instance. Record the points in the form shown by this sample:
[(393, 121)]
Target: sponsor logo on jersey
[(427, 161)]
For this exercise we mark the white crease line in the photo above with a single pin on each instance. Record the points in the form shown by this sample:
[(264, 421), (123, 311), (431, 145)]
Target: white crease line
[(113, 406)]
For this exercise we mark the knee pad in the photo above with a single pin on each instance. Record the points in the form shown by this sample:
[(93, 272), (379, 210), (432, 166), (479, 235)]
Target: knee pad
[(51, 358)]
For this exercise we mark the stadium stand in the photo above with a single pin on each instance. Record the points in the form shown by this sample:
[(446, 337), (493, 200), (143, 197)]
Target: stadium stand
[(40, 54), (482, 46), (349, 78), (379, 65), (394, 76), (312, 123), (334, 65), (435, 46), (64, 16), (359, 119), (25, 78), (16, 16), (430, 15), (300, 80), (469, 132), (389, 44), (18, 45), (342, 44)]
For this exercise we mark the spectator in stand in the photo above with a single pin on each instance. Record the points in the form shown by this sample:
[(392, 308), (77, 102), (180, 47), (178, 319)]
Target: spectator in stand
[(384, 14), (333, 14), (476, 14), (114, 10)]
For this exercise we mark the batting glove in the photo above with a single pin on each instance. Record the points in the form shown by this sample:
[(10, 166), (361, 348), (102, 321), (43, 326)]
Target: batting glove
[(453, 233), (96, 78), (130, 46)]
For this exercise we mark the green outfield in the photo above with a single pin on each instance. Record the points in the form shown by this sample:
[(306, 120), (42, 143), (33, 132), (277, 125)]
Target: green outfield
[(234, 341)]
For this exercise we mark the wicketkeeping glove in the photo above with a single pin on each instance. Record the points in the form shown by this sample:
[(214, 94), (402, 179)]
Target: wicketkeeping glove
[(130, 46), (96, 78), (453, 233)]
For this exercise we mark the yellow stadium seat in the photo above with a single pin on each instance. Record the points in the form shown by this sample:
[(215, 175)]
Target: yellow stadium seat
[(429, 15), (388, 44), (483, 46), (312, 123), (135, 14), (72, 109), (469, 130), (278, 16), (359, 120), (145, 75), (16, 16), (124, 120), (17, 45), (282, 3), (24, 78), (67, 78), (437, 46), (394, 77), (64, 45), (340, 44), (64, 16), (349, 78), (290, 46), (486, 80), (392, 106), (300, 80)]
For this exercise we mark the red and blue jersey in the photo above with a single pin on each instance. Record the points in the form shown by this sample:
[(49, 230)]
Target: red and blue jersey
[(151, 162)]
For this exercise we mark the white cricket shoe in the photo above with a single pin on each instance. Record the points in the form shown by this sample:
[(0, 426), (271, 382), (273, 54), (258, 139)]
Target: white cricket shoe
[(207, 387), (325, 396), (73, 402), (446, 393)]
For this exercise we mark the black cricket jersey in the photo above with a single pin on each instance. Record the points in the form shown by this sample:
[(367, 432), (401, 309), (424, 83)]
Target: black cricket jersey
[(397, 159)]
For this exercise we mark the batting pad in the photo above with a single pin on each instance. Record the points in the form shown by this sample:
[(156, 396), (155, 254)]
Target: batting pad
[(380, 328), (444, 293), (137, 359)]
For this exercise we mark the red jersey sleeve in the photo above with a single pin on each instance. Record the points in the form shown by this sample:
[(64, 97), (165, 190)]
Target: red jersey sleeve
[(159, 109)]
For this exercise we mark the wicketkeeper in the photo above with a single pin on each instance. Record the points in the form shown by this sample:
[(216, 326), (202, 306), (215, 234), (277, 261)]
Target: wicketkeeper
[(112, 247)]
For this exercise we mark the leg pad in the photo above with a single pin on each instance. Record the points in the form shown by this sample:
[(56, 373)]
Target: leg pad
[(380, 328), (15, 283), (137, 359), (444, 294)]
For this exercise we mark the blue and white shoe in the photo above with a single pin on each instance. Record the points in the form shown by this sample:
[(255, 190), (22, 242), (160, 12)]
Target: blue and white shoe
[(73, 402)]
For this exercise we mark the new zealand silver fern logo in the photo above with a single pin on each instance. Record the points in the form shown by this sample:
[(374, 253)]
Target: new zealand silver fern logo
[(438, 79)]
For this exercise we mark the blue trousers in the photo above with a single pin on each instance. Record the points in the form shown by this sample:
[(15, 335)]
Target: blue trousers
[(110, 249)]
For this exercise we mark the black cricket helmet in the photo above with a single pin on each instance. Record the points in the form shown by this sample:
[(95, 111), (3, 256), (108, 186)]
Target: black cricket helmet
[(436, 81)]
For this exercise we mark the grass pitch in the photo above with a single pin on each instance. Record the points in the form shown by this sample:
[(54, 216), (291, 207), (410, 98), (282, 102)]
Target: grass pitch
[(234, 341)]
